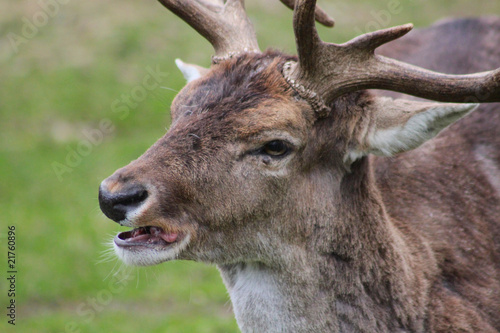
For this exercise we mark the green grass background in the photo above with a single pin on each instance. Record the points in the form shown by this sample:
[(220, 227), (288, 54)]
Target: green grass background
[(63, 81)]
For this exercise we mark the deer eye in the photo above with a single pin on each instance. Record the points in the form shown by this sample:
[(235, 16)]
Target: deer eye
[(275, 148)]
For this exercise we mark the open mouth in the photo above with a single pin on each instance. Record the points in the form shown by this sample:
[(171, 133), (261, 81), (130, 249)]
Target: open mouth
[(146, 236)]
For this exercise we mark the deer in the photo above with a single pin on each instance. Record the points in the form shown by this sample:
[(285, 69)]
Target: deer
[(352, 187)]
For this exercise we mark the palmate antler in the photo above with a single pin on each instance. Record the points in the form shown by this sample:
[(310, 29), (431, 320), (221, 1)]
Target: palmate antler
[(327, 71)]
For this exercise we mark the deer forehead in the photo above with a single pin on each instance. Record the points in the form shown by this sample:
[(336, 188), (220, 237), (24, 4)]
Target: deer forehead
[(272, 117), (269, 120), (245, 96)]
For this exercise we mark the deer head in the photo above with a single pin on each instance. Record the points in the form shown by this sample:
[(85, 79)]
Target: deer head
[(260, 143)]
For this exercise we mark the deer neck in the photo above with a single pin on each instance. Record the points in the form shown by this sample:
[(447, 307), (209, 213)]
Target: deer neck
[(354, 272)]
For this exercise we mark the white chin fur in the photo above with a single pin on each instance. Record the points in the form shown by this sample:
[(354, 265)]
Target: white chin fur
[(148, 256)]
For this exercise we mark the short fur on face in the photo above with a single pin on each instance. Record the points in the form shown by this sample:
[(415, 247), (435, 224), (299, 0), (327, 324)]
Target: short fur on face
[(325, 237)]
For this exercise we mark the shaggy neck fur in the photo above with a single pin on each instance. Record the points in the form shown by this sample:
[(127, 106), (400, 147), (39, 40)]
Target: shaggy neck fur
[(355, 274)]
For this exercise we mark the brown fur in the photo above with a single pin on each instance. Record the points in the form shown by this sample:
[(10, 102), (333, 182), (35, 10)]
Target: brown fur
[(403, 244), (459, 217)]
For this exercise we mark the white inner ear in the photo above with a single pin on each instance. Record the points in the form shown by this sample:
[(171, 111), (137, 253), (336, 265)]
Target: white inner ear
[(418, 129), (190, 72), (401, 125)]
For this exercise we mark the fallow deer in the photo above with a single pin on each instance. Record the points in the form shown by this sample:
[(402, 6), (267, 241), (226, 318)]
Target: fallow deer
[(273, 169)]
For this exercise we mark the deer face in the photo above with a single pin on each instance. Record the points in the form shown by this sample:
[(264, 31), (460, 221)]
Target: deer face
[(223, 169), (244, 157), (261, 139)]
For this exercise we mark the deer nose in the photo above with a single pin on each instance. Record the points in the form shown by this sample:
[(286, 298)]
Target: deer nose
[(116, 205)]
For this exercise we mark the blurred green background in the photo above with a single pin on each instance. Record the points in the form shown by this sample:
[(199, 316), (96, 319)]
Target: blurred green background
[(67, 66)]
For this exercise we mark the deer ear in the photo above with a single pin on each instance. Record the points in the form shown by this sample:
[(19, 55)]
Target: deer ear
[(190, 72), (397, 125)]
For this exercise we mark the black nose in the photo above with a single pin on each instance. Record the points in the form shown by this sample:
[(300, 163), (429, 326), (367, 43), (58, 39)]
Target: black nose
[(116, 205)]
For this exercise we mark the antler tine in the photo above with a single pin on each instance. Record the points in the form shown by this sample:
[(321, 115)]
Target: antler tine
[(390, 74), (320, 15), (306, 35), (226, 27), (370, 41), (327, 71)]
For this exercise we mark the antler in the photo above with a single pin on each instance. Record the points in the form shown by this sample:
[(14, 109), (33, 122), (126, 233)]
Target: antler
[(225, 26), (326, 71), (320, 15)]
